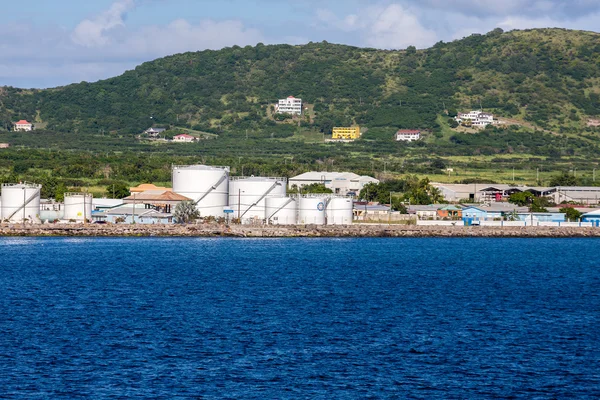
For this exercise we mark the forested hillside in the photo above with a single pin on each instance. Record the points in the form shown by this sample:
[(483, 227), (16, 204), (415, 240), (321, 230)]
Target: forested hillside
[(548, 77)]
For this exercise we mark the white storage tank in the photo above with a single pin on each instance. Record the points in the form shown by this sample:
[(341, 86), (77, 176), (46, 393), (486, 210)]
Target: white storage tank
[(207, 186), (20, 201), (282, 210), (247, 196), (78, 207), (340, 211), (311, 210)]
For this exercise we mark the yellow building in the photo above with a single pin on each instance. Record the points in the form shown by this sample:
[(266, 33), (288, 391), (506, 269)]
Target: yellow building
[(346, 133)]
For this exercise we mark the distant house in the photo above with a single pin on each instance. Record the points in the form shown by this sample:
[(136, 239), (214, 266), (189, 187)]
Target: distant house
[(408, 135), (291, 105), (495, 211), (23, 126), (4, 145), (160, 200), (450, 212), (427, 212), (183, 138), (477, 118), (346, 133), (154, 132)]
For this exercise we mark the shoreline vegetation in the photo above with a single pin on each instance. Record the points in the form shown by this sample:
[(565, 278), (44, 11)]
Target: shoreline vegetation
[(304, 231)]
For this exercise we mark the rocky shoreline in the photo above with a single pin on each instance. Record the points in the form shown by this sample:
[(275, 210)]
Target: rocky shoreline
[(215, 230)]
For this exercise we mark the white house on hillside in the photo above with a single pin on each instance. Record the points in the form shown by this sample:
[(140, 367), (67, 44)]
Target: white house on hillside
[(154, 132), (408, 135), (23, 125), (291, 105), (183, 138), (478, 118)]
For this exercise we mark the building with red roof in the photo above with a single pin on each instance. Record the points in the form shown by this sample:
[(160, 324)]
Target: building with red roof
[(23, 125), (183, 138)]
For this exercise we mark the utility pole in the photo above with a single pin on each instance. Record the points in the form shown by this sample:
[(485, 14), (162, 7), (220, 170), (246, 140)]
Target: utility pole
[(537, 174)]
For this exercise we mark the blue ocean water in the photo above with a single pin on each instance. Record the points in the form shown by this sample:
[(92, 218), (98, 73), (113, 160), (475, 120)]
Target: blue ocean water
[(299, 318)]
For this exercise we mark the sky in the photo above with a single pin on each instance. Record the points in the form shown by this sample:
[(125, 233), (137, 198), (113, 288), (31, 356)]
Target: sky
[(45, 43)]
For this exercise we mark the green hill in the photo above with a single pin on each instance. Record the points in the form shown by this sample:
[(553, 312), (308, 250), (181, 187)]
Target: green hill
[(547, 77)]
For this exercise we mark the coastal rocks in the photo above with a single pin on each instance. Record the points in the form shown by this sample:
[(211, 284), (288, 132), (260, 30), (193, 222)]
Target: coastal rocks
[(357, 230)]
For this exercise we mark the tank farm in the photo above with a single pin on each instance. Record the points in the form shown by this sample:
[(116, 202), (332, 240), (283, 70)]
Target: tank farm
[(256, 200)]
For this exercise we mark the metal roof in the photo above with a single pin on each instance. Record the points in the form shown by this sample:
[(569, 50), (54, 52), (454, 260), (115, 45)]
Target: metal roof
[(324, 176), (592, 213)]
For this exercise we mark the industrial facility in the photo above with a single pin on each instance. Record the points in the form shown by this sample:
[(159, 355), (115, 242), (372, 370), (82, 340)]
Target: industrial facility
[(256, 200), (246, 200)]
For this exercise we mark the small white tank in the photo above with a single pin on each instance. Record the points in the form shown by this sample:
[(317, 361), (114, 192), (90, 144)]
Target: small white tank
[(340, 211), (207, 186), (78, 207), (20, 201), (282, 210), (247, 196), (311, 210)]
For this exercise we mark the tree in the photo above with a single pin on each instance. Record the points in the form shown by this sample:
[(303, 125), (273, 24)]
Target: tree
[(118, 190), (565, 179), (521, 198), (186, 212), (59, 193), (571, 214), (317, 188), (397, 205)]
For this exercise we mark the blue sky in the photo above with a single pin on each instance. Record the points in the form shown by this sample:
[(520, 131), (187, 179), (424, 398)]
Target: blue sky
[(46, 43)]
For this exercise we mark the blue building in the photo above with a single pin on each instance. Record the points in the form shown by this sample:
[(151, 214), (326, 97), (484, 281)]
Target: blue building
[(592, 216), (493, 212), (474, 213), (534, 218)]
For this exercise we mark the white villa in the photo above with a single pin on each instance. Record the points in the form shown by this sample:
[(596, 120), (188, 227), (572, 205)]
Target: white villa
[(478, 118), (408, 135), (23, 125), (291, 105), (184, 138)]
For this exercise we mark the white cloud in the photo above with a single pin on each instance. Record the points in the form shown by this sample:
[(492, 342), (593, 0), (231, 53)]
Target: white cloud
[(389, 27), (104, 46), (92, 32), (181, 36), (558, 9), (397, 28)]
